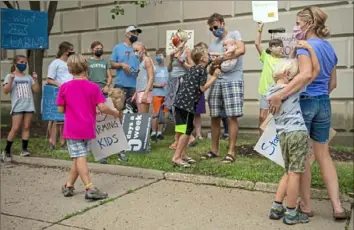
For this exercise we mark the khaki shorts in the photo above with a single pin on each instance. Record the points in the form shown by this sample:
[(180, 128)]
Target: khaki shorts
[(294, 147)]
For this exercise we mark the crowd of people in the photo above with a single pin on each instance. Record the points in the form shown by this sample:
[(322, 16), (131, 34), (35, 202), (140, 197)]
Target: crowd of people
[(295, 90)]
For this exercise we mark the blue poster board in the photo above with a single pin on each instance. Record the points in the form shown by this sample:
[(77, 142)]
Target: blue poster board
[(24, 29), (49, 108)]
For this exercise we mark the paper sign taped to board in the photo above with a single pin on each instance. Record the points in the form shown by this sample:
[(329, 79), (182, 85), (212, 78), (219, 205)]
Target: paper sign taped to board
[(171, 33), (265, 11), (24, 29), (269, 146), (110, 137)]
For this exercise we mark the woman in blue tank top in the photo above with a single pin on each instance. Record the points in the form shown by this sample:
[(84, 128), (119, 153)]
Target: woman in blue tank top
[(145, 78), (315, 103)]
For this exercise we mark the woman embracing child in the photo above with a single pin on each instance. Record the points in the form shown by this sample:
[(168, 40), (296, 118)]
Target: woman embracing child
[(21, 87)]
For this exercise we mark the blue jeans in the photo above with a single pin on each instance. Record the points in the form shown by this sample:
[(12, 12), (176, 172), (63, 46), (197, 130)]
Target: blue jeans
[(316, 112)]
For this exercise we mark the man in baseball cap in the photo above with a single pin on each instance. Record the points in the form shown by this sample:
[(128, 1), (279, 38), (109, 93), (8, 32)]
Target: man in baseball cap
[(126, 64)]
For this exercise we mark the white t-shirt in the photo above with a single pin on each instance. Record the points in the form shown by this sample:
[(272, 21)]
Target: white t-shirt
[(58, 71)]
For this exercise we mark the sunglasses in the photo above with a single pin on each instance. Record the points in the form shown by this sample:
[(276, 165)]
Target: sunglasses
[(213, 28)]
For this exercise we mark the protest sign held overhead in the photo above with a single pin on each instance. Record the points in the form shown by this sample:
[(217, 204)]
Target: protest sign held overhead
[(265, 11), (137, 128), (110, 137)]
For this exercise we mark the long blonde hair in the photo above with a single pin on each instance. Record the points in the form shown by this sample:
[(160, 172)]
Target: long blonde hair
[(284, 66), (139, 43), (317, 18)]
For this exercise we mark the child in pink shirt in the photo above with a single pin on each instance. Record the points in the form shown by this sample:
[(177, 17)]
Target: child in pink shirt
[(78, 100)]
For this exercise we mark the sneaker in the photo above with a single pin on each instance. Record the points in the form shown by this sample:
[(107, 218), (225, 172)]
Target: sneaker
[(67, 191), (95, 194), (160, 137), (296, 219), (153, 138), (64, 146), (276, 213), (6, 157), (51, 147), (103, 161), (25, 153), (122, 157), (225, 137)]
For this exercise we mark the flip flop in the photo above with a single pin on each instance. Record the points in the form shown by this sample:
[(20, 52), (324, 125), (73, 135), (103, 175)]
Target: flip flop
[(228, 159), (189, 160), (182, 164), (342, 215), (209, 155)]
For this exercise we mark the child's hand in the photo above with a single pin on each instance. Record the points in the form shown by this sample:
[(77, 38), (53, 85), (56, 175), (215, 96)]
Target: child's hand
[(303, 44), (144, 98), (116, 114), (163, 84), (34, 76), (217, 73), (105, 89), (260, 26)]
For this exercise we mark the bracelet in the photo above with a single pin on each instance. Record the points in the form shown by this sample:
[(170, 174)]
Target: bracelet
[(259, 30)]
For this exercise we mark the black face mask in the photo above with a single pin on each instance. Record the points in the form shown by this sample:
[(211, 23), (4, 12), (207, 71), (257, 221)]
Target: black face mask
[(98, 53), (70, 53), (133, 38)]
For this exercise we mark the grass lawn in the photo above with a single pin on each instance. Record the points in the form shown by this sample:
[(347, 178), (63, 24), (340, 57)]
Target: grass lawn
[(253, 168)]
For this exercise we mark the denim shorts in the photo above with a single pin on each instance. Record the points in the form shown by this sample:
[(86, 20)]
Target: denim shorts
[(316, 112)]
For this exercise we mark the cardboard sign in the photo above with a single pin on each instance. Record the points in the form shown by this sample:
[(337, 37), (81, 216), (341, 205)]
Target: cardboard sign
[(137, 128), (289, 42), (269, 146), (49, 107), (24, 29), (265, 11), (171, 33), (110, 137)]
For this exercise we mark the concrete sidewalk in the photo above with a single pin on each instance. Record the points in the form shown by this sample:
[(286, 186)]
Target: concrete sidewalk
[(31, 199)]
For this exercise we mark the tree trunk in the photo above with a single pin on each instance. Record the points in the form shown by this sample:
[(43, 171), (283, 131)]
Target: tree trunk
[(35, 63)]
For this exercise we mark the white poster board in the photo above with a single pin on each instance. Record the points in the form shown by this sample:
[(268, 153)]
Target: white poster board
[(171, 33), (265, 11), (289, 42), (269, 146), (110, 137)]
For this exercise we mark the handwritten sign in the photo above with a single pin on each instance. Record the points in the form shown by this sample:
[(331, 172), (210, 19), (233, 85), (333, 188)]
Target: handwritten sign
[(171, 33), (24, 29), (289, 42), (49, 107), (137, 127), (265, 11), (268, 145), (110, 137)]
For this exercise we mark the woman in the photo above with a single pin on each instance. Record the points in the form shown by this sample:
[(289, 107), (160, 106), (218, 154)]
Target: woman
[(145, 79), (177, 68), (315, 103), (58, 74)]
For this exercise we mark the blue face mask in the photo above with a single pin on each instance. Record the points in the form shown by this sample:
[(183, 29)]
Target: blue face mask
[(218, 33), (21, 66), (159, 59)]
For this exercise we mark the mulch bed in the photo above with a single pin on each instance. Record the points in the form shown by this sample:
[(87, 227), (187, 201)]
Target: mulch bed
[(39, 130)]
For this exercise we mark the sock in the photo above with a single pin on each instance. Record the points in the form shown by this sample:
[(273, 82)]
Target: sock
[(24, 145), (159, 133), (277, 205), (292, 211), (8, 147), (89, 186), (153, 133)]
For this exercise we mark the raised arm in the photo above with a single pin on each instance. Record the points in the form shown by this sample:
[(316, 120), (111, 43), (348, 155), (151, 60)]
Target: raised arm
[(258, 40)]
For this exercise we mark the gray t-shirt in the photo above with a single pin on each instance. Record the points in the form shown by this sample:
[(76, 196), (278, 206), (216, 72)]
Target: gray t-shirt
[(21, 93), (236, 73), (289, 117)]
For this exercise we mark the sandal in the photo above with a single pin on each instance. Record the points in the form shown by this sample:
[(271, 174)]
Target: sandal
[(228, 159), (182, 164), (193, 143), (189, 160), (342, 215), (309, 214), (209, 155)]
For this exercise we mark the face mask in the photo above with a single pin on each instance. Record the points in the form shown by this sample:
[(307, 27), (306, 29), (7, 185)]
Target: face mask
[(21, 67), (98, 53), (70, 53), (298, 33), (159, 59), (137, 53), (218, 33), (133, 38), (176, 41)]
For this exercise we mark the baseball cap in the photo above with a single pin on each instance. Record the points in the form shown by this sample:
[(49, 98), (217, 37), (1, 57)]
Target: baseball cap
[(133, 28)]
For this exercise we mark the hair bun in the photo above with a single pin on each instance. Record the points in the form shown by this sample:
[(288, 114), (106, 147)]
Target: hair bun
[(323, 31)]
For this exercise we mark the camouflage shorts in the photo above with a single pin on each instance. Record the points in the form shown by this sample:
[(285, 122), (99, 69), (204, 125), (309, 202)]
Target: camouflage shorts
[(294, 147)]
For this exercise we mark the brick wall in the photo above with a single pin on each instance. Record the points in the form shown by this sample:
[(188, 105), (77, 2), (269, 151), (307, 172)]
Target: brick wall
[(82, 22)]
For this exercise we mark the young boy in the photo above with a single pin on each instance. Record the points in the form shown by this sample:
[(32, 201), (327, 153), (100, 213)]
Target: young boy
[(293, 139), (159, 92), (78, 99), (191, 88)]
